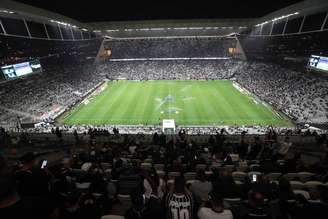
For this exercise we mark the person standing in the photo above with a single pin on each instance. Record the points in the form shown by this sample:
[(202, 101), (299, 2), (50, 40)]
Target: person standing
[(179, 203)]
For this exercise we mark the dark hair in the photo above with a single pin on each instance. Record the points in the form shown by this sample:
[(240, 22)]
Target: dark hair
[(255, 198), (138, 198), (7, 185), (28, 157), (179, 184), (216, 198), (201, 175)]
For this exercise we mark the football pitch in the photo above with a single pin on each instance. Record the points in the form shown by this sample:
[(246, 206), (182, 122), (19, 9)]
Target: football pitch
[(187, 102)]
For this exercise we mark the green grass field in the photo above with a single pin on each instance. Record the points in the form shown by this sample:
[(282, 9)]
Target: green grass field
[(188, 102)]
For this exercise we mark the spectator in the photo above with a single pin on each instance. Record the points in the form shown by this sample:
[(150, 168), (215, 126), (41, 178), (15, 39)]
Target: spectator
[(179, 202), (215, 210), (144, 208), (201, 187)]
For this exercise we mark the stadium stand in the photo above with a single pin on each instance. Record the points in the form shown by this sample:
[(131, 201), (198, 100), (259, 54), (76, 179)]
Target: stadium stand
[(202, 172)]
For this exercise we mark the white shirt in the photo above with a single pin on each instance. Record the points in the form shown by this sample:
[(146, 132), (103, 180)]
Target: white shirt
[(207, 213)]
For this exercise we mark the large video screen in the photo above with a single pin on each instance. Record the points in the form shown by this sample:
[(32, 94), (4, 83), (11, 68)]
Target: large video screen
[(319, 63), (21, 69)]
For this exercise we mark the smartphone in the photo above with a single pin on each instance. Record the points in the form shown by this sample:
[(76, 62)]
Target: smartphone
[(254, 178), (44, 164)]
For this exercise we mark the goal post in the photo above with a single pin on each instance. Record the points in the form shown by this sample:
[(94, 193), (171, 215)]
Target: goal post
[(168, 126)]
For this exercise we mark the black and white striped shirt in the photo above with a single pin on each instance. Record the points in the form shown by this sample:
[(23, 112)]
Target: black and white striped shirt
[(179, 206)]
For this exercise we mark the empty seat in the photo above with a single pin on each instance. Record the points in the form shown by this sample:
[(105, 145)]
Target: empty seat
[(234, 157), (302, 192), (250, 174), (296, 185), (233, 201), (239, 176), (291, 176), (172, 175), (83, 186), (106, 166), (160, 173), (146, 166), (112, 217), (148, 160), (200, 167), (190, 175), (159, 166), (170, 183), (312, 184), (254, 167), (273, 176), (305, 176), (124, 199)]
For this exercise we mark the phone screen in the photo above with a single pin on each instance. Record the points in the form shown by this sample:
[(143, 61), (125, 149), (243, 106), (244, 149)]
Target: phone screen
[(44, 164), (254, 178)]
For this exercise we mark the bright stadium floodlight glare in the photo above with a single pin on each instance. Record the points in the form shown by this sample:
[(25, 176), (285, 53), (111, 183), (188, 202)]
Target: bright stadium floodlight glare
[(276, 19), (7, 12)]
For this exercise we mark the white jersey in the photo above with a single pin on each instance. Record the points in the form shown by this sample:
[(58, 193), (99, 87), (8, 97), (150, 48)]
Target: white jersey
[(207, 213), (179, 206)]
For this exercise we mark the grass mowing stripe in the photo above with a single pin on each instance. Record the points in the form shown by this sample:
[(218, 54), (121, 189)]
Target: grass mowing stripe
[(189, 103)]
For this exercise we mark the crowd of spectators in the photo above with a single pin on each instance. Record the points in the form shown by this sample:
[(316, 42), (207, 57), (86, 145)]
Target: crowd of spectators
[(69, 72), (172, 70), (254, 178), (170, 47), (303, 97)]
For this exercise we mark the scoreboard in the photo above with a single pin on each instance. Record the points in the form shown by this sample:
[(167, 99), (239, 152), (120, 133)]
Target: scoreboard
[(21, 69), (319, 63)]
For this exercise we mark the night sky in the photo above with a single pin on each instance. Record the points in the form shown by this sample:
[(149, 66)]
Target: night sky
[(120, 10)]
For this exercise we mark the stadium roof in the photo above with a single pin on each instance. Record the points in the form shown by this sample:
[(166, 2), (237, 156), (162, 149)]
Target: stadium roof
[(100, 10)]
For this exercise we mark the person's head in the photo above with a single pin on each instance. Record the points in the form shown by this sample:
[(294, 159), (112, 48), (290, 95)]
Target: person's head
[(179, 184), (201, 176), (255, 199), (216, 199), (7, 182), (284, 185), (28, 159)]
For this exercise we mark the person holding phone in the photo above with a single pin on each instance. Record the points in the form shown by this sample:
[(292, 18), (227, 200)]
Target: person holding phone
[(32, 179)]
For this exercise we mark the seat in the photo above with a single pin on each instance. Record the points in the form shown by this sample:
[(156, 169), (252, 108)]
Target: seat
[(159, 166), (200, 167), (112, 217), (291, 176), (170, 183), (273, 176), (296, 185), (234, 157), (106, 166), (208, 173), (250, 174), (145, 166), (82, 186), (124, 199), (148, 160), (302, 192), (160, 173), (239, 176), (190, 175), (233, 201), (312, 184), (305, 176), (172, 175), (229, 168), (190, 182), (254, 167)]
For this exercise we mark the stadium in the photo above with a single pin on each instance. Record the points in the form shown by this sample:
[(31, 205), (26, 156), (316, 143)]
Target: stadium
[(162, 110)]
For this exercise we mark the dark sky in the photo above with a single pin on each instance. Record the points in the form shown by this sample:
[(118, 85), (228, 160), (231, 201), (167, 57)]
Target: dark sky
[(122, 10)]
